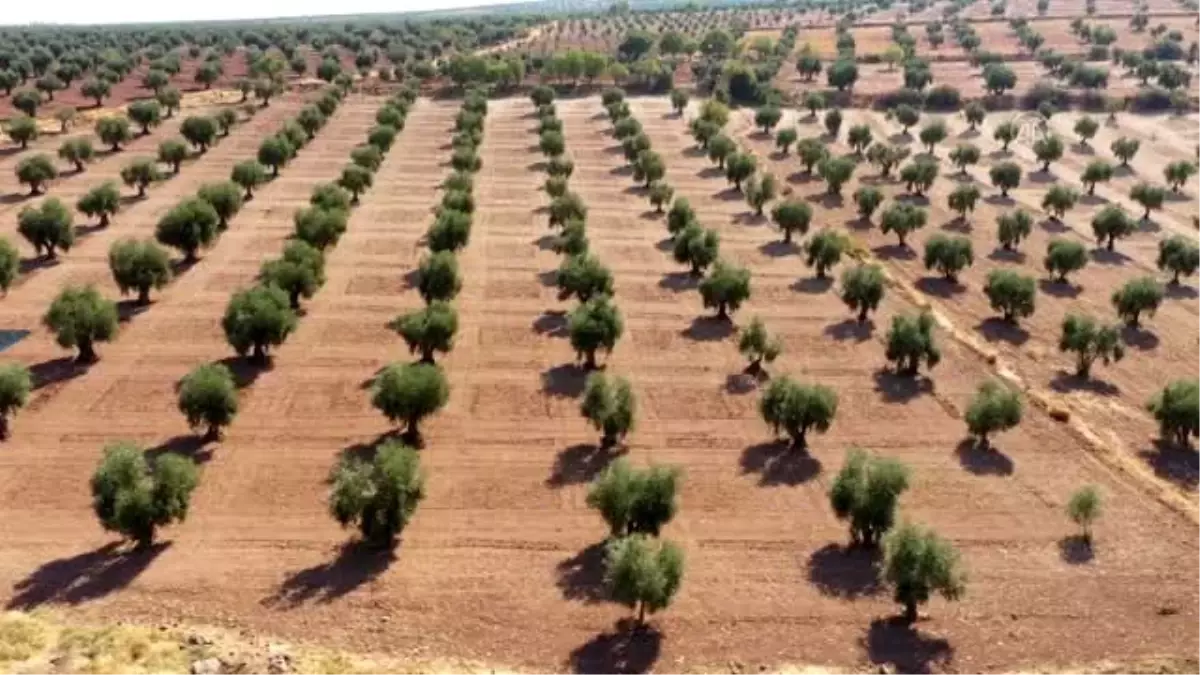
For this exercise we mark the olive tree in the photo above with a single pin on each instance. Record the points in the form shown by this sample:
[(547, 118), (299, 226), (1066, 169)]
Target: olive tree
[(1179, 172), (1138, 296), (10, 264), (249, 174), (824, 250), (299, 272), (1179, 256), (902, 219), (1090, 341), (862, 289), (200, 131), (140, 173), (15, 385), (962, 200), (450, 231), (835, 171), (22, 129), (1125, 148), (1086, 127), (811, 152), (643, 573), (725, 288), (583, 276), (1006, 132), (77, 151), (696, 247), (438, 277), (1064, 256), (1084, 507), (275, 152), (918, 563), (964, 155), (189, 226), (910, 341), (1058, 200), (610, 406), (256, 319), (134, 498), (146, 114), (993, 408), (867, 198), (1112, 223), (932, 134), (208, 398), (738, 167), (1012, 228), (634, 501), (1010, 293), (408, 393), (47, 227), (795, 408), (1150, 197), (1176, 408), (866, 492), (80, 317), (1097, 171), (757, 345), (592, 326), (378, 496), (113, 131), (1006, 176), (35, 172), (139, 266), (919, 175)]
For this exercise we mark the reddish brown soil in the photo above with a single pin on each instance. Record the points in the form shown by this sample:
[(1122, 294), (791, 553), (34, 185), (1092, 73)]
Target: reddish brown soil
[(501, 562)]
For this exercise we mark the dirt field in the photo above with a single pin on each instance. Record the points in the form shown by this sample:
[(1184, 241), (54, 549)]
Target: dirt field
[(501, 563)]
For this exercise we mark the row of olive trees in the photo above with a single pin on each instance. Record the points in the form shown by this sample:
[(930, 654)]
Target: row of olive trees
[(380, 494)]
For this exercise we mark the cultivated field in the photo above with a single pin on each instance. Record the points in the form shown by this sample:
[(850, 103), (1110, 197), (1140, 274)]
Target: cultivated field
[(503, 560)]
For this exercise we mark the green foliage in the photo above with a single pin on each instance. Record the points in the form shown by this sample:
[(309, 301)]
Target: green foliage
[(79, 317), (208, 397), (1089, 341), (643, 573), (10, 264), (932, 134), (299, 273), (551, 143), (862, 289), (133, 499), (1059, 199), (697, 247), (679, 100), (35, 172), (15, 385), (1125, 148), (680, 216), (610, 406), (1177, 410), (811, 152), (993, 409), (1006, 132), (450, 231), (738, 167), (139, 266), (438, 277), (785, 138), (409, 393), (429, 329), (1179, 172), (792, 216), (634, 501), (566, 208), (189, 226), (1010, 293), (725, 288), (867, 198), (1006, 176), (886, 157), (963, 198), (964, 155), (256, 319), (310, 119), (760, 189), (1179, 256), (865, 493), (378, 496), (859, 137), (919, 175), (907, 116), (22, 129), (113, 131), (594, 325), (274, 152), (660, 194), (825, 250), (200, 131), (320, 227), (1151, 197), (47, 227), (172, 151), (583, 276), (833, 122), (1112, 223), (226, 118), (1086, 127), (720, 147), (757, 345), (835, 171), (1084, 508), (78, 151), (1138, 296), (355, 179), (975, 114), (903, 219), (224, 197), (796, 408), (649, 167), (910, 341), (767, 117), (1064, 256), (918, 563), (842, 74)]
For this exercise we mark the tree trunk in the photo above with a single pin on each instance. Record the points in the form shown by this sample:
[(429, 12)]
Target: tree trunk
[(641, 617), (294, 296), (104, 219), (1111, 243), (1083, 366), (590, 362), (3, 427), (1092, 190), (259, 354), (141, 190), (910, 611), (143, 295), (798, 439), (249, 195), (862, 313), (722, 311), (87, 353), (426, 355), (213, 433), (787, 235)]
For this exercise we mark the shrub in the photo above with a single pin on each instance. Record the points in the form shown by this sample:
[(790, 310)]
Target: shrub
[(1178, 173), (918, 563), (172, 152), (795, 408), (139, 266), (660, 194), (408, 393), (47, 227), (785, 139), (134, 499), (738, 167), (932, 134), (993, 409), (79, 317), (1084, 508), (1137, 297), (256, 319), (964, 155), (1006, 132), (867, 198), (865, 492), (610, 406), (811, 152), (208, 397), (1177, 410), (356, 179), (140, 172), (1090, 341), (680, 216), (379, 496), (568, 207)]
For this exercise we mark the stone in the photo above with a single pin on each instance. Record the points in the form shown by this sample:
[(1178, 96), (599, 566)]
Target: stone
[(211, 666)]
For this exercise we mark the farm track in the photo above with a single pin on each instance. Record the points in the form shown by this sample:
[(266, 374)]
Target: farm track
[(87, 261), (500, 560)]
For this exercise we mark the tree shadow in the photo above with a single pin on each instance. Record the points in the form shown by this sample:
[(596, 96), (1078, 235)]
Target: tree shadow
[(778, 462), (999, 200), (900, 137), (801, 177), (639, 190), (629, 648), (957, 224), (1104, 256), (551, 323), (729, 194), (548, 278), (968, 133), (16, 197), (1080, 149), (859, 223), (355, 565), (1053, 226), (829, 201), (1075, 550), (1066, 383), (894, 252), (1007, 255), (57, 370), (245, 369), (939, 287), (666, 244), (1091, 200), (1173, 463), (914, 199), (895, 388), (710, 172), (566, 380), (1181, 291), (996, 329), (83, 577), (85, 230), (694, 151), (679, 281), (851, 329), (580, 463), (846, 572), (982, 460), (812, 285), (743, 382), (128, 310), (34, 264), (581, 577), (708, 328), (1000, 154), (1149, 226), (896, 644), (624, 170), (1059, 289), (778, 248), (1139, 338), (546, 242), (1041, 177), (750, 218), (191, 446), (536, 166)]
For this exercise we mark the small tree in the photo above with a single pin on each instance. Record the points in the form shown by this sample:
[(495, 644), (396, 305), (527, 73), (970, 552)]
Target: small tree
[(438, 277), (903, 219), (910, 341), (859, 138), (720, 147), (759, 190), (1178, 173), (189, 226), (566, 208), (1006, 132), (833, 122), (1137, 296), (1125, 148), (975, 114), (133, 499), (725, 288), (1010, 293), (146, 114), (225, 197), (249, 174), (592, 326), (610, 406), (1112, 223), (1006, 176), (795, 408), (1086, 128), (993, 409), (1089, 341), (1084, 508), (139, 266), (811, 152), (35, 172), (47, 227), (948, 255), (865, 492), (299, 273), (1064, 256), (355, 179), (679, 101), (172, 152), (919, 175), (680, 216), (649, 167), (23, 129), (932, 134), (380, 496), (964, 155), (199, 131), (757, 345), (226, 118), (785, 138), (1058, 200), (962, 200), (428, 330), (867, 198), (1014, 226), (862, 289), (1097, 171), (767, 117), (835, 171), (634, 501), (814, 101), (140, 173), (583, 276), (77, 151), (274, 152), (208, 397), (1177, 410), (113, 131), (825, 250), (642, 573), (551, 143), (1179, 256), (696, 247), (15, 385), (256, 319), (1150, 197), (408, 393), (79, 317), (311, 119), (918, 563), (886, 157), (320, 227), (10, 264), (738, 167), (907, 116)]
